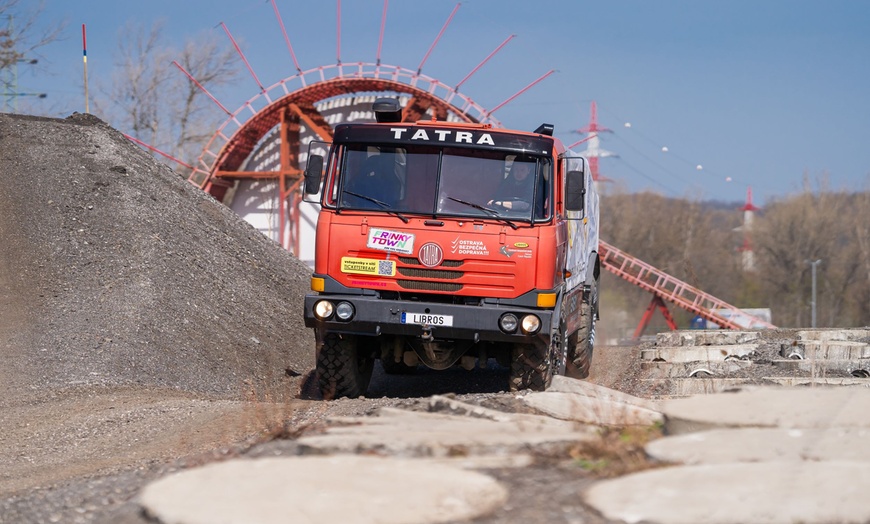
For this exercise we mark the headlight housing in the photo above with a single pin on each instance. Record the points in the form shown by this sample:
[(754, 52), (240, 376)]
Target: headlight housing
[(531, 324), (323, 309), (344, 311), (508, 323)]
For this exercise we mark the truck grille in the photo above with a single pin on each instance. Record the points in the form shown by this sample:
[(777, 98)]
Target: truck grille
[(412, 272), (429, 286), (411, 261)]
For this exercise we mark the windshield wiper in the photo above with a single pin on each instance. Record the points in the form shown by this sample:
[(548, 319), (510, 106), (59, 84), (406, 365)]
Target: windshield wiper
[(492, 212), (383, 205)]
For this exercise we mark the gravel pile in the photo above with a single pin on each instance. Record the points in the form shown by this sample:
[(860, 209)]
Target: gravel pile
[(116, 271)]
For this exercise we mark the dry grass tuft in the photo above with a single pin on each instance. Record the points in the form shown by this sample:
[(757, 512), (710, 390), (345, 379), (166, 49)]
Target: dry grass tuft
[(618, 451)]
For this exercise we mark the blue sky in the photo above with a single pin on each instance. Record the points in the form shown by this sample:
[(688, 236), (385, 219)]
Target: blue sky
[(757, 92)]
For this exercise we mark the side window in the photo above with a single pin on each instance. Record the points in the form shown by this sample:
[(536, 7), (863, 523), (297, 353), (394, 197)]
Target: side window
[(544, 198), (563, 169), (335, 161)]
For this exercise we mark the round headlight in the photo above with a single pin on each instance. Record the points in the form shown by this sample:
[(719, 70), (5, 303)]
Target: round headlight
[(531, 324), (508, 323), (344, 310), (323, 309)]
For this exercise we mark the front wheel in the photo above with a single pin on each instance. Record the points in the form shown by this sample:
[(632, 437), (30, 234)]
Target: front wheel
[(581, 343), (343, 370), (530, 367)]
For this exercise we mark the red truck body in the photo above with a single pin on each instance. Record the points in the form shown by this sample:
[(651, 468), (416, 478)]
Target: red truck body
[(443, 243)]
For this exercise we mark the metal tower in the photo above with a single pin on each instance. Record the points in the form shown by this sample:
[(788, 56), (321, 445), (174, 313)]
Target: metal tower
[(749, 209), (593, 147)]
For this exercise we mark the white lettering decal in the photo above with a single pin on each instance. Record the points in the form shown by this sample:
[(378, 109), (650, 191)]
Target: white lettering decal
[(468, 247), (420, 135), (443, 134)]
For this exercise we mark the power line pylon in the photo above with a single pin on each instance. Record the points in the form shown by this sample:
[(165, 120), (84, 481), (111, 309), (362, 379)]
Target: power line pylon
[(593, 147)]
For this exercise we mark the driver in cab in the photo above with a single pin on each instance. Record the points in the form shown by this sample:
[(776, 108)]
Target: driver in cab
[(515, 191)]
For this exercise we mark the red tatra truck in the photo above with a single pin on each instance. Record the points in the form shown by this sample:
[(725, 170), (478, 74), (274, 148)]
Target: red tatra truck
[(443, 243)]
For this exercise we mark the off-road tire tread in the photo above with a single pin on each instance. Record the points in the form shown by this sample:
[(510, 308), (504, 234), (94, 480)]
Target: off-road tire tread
[(581, 343), (530, 368), (340, 373)]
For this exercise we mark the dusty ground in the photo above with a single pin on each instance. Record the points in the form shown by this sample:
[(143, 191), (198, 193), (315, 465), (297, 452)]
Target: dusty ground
[(146, 328)]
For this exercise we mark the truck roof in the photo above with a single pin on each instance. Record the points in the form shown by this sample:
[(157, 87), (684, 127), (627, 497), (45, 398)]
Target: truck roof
[(451, 134)]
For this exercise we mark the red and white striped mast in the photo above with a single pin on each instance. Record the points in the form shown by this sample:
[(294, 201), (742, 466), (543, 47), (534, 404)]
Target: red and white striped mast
[(593, 143), (748, 255)]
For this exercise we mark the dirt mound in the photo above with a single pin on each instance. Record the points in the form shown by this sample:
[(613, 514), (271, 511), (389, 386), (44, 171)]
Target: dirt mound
[(114, 271)]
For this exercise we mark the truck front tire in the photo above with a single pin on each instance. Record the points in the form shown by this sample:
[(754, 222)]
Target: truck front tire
[(343, 370), (530, 368), (580, 343)]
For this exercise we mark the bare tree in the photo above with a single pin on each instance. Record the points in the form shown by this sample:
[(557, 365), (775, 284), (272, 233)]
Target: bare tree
[(859, 294), (688, 239), (20, 41), (814, 225), (154, 101)]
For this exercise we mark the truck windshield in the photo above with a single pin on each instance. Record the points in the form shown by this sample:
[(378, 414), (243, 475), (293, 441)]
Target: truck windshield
[(442, 181)]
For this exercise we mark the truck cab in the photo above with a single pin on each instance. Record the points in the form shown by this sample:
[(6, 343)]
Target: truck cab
[(442, 243)]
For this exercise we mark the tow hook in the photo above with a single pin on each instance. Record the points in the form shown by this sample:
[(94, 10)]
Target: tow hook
[(427, 335)]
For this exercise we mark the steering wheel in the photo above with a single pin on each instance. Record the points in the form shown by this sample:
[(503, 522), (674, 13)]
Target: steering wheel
[(513, 206)]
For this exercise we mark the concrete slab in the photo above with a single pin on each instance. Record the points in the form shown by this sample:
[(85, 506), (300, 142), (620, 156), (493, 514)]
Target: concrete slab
[(818, 407), (415, 434), (854, 334), (698, 385), (831, 349), (705, 337), (766, 492), (693, 369), (562, 384), (577, 400), (857, 368), (820, 381), (718, 353), (762, 444), (566, 406), (343, 488)]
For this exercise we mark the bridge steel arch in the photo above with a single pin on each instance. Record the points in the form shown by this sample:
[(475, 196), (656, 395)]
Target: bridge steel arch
[(290, 104)]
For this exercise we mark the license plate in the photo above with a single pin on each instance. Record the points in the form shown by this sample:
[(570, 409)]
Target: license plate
[(427, 319)]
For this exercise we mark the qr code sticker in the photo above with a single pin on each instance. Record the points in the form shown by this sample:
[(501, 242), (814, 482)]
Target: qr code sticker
[(385, 267)]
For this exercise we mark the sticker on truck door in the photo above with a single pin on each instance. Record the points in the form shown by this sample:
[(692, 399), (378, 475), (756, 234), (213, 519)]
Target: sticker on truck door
[(395, 241), (426, 319), (368, 266)]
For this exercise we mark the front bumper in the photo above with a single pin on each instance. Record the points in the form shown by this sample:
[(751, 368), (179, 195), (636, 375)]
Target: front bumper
[(374, 316)]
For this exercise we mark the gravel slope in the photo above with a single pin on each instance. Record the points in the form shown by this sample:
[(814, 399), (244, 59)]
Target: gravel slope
[(140, 320), (115, 271)]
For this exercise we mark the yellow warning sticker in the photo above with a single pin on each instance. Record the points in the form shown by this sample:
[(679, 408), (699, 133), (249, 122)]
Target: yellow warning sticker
[(368, 266)]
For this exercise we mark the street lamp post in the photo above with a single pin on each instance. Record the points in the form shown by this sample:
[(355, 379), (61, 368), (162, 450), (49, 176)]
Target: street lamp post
[(814, 263), (11, 85)]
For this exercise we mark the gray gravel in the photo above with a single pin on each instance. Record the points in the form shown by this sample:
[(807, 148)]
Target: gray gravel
[(128, 275)]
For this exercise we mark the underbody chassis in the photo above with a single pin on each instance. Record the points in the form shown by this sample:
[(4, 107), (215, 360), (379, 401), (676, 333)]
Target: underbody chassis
[(403, 334)]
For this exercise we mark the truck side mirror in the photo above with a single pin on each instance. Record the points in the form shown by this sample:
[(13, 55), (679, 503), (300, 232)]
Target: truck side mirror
[(575, 191), (313, 173)]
